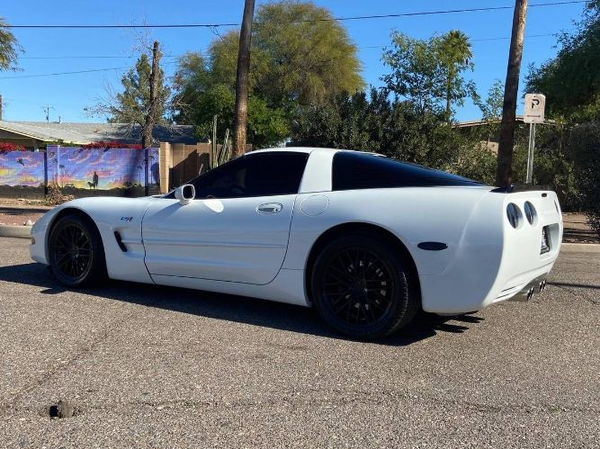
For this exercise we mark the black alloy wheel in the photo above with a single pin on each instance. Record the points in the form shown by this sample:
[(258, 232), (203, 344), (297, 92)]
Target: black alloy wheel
[(362, 287), (75, 251)]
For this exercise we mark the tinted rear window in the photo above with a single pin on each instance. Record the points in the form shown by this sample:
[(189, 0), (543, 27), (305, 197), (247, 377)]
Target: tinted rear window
[(353, 171)]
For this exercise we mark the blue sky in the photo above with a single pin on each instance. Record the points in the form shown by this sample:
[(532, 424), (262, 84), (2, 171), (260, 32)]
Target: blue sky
[(69, 94)]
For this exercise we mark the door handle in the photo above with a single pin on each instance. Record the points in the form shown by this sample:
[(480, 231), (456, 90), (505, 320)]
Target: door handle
[(269, 208)]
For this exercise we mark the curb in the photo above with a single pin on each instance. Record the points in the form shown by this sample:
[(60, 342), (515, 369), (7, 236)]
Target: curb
[(581, 247), (23, 232)]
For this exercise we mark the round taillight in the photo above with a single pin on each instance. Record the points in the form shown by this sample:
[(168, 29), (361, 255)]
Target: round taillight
[(530, 212), (514, 215)]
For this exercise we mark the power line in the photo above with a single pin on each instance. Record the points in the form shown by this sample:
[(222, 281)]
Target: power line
[(455, 11), (62, 73), (339, 19), (86, 57), (75, 72), (483, 39)]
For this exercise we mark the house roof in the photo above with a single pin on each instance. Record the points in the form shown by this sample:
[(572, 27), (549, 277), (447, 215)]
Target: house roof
[(473, 123), (85, 133)]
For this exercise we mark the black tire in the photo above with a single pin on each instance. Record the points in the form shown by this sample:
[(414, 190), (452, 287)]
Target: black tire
[(76, 254), (362, 287)]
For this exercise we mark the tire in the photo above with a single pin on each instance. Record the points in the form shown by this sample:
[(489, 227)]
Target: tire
[(76, 253), (363, 288)]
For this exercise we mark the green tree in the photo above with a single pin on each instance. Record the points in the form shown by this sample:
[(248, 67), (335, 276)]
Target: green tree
[(491, 106), (131, 105), (191, 83), (300, 56), (305, 55), (571, 80), (374, 122), (430, 73), (455, 56), (199, 96), (9, 47)]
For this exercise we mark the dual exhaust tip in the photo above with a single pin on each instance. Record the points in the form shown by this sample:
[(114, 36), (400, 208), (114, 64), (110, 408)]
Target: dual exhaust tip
[(528, 292), (541, 287)]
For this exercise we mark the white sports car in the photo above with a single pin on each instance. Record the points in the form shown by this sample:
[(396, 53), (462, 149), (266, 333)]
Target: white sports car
[(368, 241)]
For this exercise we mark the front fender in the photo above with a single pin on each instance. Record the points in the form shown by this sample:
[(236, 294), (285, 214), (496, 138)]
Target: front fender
[(109, 214)]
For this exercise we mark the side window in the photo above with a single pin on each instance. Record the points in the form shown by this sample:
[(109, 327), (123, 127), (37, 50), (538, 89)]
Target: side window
[(353, 171), (262, 174)]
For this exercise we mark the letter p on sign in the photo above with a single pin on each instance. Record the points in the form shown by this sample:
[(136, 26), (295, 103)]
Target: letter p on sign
[(535, 105)]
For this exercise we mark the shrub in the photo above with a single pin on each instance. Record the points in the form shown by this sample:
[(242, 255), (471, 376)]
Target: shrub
[(55, 196), (8, 146), (110, 144), (584, 148)]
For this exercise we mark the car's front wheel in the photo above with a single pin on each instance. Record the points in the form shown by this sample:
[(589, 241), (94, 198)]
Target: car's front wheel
[(363, 288), (75, 251)]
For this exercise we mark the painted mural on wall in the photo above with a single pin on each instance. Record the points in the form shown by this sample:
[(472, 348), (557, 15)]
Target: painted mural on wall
[(102, 169), (22, 168), (80, 168)]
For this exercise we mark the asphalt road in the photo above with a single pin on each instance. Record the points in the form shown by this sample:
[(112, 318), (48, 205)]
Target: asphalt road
[(165, 368)]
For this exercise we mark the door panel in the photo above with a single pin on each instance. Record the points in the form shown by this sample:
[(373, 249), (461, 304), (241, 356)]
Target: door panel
[(236, 239)]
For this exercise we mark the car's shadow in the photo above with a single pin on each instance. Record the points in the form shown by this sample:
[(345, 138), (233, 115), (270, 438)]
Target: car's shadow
[(229, 307)]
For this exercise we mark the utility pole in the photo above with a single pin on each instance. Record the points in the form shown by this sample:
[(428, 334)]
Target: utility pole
[(153, 106), (240, 124), (509, 109), (47, 111), (152, 109)]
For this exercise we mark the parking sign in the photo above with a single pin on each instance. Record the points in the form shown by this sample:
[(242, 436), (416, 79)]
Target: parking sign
[(535, 104)]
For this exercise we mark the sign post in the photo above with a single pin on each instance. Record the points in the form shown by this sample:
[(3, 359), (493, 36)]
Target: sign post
[(535, 105)]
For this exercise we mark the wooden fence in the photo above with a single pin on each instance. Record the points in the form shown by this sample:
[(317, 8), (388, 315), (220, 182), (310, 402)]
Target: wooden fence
[(179, 162)]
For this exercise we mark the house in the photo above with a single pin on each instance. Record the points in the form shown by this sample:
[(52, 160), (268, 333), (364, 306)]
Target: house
[(36, 135)]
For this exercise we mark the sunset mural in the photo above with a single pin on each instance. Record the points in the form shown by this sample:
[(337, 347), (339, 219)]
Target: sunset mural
[(22, 168), (82, 168)]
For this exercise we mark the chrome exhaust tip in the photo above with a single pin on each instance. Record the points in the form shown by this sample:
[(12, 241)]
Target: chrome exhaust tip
[(530, 293)]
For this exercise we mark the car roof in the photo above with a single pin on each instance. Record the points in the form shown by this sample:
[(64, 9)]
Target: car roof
[(310, 150), (292, 150)]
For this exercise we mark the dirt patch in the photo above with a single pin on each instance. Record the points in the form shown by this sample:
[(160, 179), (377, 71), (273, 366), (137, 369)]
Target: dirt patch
[(16, 216), (577, 229)]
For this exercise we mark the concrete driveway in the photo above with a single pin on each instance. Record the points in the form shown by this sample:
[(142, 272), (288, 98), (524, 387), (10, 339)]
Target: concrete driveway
[(165, 368)]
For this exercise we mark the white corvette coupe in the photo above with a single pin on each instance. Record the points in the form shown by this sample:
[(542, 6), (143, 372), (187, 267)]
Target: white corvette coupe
[(368, 241)]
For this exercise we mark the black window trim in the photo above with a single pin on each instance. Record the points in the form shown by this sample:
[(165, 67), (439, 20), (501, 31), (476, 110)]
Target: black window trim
[(171, 194)]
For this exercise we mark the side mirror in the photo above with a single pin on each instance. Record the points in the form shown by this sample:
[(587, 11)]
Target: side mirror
[(185, 193)]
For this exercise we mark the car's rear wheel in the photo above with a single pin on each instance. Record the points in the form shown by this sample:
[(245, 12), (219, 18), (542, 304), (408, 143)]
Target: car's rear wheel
[(363, 288), (75, 250)]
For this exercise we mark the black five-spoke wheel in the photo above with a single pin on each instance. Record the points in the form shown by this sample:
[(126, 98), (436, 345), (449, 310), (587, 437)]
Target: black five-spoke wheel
[(75, 251), (362, 287)]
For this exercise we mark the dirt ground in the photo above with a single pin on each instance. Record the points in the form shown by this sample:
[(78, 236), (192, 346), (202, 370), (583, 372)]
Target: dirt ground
[(577, 229), (17, 212)]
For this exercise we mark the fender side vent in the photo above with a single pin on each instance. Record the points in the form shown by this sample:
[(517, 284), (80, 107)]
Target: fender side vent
[(432, 246), (120, 242)]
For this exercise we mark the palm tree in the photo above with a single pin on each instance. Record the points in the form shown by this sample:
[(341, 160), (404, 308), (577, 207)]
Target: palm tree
[(9, 46), (455, 55)]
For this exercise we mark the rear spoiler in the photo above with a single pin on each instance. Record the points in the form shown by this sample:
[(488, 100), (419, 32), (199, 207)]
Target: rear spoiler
[(514, 188)]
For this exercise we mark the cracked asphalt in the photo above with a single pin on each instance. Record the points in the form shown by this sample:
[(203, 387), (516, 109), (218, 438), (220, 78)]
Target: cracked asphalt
[(155, 367)]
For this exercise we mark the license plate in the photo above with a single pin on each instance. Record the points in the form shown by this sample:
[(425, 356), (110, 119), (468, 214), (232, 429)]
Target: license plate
[(545, 240)]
